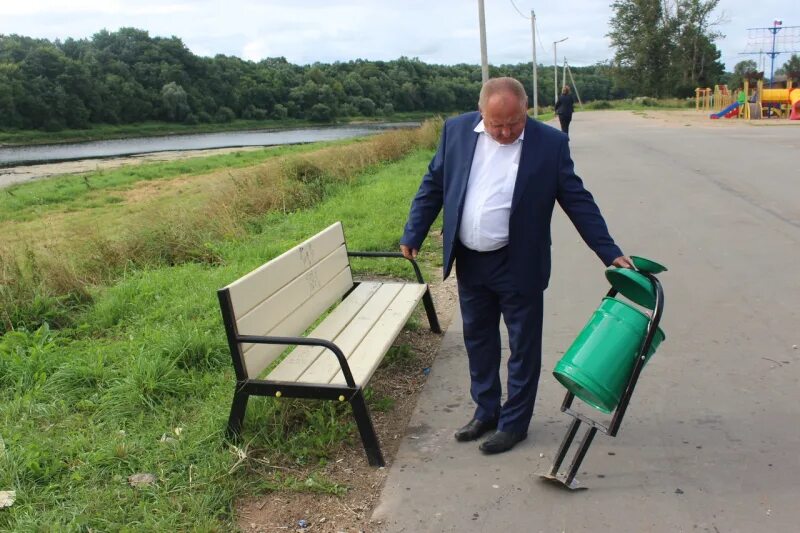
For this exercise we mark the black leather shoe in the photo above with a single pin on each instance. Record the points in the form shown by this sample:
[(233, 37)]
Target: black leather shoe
[(502, 441), (474, 429)]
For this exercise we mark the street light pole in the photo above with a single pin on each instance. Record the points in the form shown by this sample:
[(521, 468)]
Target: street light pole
[(535, 81), (555, 69), (484, 59)]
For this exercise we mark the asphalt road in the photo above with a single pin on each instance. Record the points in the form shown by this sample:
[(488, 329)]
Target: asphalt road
[(711, 441)]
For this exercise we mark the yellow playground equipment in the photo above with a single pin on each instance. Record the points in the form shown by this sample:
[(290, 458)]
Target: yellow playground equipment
[(750, 103)]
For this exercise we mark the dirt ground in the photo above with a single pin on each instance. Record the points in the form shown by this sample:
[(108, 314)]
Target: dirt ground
[(20, 174)]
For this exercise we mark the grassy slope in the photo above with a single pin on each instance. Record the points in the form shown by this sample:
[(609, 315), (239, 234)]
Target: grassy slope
[(26, 201), (85, 408)]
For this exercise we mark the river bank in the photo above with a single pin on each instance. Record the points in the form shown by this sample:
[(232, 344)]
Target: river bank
[(21, 174)]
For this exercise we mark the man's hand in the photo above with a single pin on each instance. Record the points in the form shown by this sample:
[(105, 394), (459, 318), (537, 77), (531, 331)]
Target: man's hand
[(623, 261), (408, 253)]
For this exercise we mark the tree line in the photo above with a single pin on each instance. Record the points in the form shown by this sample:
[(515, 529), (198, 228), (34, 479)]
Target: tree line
[(127, 76), (662, 49)]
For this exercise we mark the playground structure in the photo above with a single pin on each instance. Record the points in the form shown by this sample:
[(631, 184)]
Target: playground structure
[(750, 102)]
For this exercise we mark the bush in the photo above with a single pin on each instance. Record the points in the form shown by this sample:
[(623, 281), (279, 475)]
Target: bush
[(645, 101), (252, 112), (366, 106), (224, 114), (599, 104), (348, 110), (204, 117), (280, 112), (321, 113)]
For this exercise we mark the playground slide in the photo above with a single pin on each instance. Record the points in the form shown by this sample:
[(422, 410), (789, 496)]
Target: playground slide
[(794, 101), (729, 112)]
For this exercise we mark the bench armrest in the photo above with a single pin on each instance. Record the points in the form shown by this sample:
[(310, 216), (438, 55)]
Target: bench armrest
[(417, 271), (304, 341), (426, 298)]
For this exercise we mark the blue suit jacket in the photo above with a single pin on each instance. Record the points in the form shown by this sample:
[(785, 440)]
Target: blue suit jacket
[(546, 175)]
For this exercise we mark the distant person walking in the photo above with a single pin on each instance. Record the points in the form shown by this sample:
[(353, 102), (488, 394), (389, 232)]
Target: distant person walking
[(564, 108)]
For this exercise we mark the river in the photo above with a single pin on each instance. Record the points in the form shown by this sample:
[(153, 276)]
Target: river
[(37, 154)]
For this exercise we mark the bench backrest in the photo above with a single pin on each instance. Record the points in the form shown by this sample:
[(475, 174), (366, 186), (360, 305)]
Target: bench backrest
[(286, 295)]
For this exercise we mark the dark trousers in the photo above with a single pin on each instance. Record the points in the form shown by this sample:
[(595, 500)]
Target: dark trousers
[(486, 292), (565, 120)]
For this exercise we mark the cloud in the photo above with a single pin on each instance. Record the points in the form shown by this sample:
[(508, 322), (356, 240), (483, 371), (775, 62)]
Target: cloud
[(306, 31), (78, 7)]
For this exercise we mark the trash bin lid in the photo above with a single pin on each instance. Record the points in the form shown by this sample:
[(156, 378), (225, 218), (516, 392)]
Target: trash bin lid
[(647, 265), (632, 285)]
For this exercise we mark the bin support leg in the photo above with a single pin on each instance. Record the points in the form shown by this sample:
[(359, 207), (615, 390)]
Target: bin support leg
[(579, 455), (565, 444)]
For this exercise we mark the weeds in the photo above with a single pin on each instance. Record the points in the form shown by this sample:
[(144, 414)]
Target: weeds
[(45, 283), (139, 379)]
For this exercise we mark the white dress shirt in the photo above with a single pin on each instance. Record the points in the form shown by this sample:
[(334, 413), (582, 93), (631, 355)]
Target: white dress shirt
[(487, 205)]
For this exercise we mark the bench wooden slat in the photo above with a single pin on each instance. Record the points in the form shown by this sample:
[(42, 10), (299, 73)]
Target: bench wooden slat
[(291, 368), (250, 290), (274, 310), (325, 368), (366, 358), (257, 357)]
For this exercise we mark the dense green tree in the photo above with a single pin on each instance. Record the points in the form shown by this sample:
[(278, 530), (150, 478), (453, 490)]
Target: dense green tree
[(174, 102), (640, 34), (695, 58), (736, 78), (665, 48), (792, 66)]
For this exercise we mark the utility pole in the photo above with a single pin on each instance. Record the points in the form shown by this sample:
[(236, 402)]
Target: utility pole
[(574, 85), (555, 70), (484, 60), (535, 82)]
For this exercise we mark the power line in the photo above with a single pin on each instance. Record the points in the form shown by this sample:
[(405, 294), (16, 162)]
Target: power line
[(518, 11), (538, 36)]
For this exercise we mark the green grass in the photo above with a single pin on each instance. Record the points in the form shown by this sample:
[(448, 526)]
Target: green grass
[(639, 104), (142, 384), (30, 200)]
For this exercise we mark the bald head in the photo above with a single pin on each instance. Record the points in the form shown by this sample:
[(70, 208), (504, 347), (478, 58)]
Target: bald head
[(508, 87), (503, 105)]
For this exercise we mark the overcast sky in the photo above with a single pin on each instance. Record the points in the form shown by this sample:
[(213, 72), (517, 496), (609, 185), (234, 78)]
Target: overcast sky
[(435, 31)]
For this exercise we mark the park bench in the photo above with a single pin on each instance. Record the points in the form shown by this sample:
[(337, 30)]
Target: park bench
[(271, 308)]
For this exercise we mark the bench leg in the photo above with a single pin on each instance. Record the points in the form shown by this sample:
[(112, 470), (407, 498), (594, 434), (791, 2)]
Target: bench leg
[(366, 429), (433, 320), (236, 417)]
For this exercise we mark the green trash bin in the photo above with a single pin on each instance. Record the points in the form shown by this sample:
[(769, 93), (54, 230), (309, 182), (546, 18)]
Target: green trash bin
[(598, 365)]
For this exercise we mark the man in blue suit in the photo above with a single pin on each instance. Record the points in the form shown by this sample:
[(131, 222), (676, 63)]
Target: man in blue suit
[(497, 174)]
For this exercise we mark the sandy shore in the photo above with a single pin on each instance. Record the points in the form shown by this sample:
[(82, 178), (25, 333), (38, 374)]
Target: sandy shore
[(20, 174), (665, 118)]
